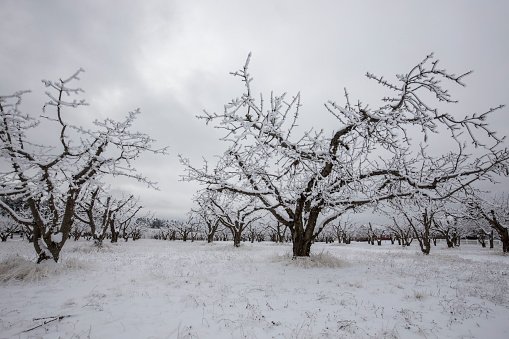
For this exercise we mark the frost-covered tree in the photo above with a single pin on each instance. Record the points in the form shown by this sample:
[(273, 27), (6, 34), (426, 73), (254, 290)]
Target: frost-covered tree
[(8, 227), (236, 213), (376, 233), (184, 230), (402, 231), (204, 214), (489, 213), (344, 230), (419, 214), (308, 179), (128, 227), (80, 229), (50, 178), (105, 214), (276, 231), (447, 227)]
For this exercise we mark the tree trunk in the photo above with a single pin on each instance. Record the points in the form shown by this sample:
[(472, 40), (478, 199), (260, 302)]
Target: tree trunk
[(427, 246), (301, 246), (51, 249), (211, 231), (114, 236), (481, 239), (236, 239), (114, 233), (302, 240), (450, 243), (504, 237), (503, 232)]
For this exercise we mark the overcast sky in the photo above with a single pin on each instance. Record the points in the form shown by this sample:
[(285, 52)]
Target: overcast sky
[(172, 59)]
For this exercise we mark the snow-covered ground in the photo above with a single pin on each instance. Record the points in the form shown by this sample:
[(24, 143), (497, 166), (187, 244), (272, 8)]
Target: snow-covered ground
[(162, 289)]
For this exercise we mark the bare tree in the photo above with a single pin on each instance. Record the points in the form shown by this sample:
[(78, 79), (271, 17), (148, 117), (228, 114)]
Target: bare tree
[(403, 232), (343, 231), (421, 214), (307, 180), (95, 213), (51, 178), (376, 232), (493, 211), (447, 228), (186, 229), (8, 227), (106, 215), (236, 213), (166, 232), (255, 232), (204, 213), (277, 231), (80, 229), (128, 227)]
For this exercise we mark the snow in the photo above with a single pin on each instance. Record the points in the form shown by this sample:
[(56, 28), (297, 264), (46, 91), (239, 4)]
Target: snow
[(57, 237), (164, 289)]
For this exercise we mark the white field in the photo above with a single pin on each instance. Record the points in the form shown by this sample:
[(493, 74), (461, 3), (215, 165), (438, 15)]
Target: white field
[(162, 289)]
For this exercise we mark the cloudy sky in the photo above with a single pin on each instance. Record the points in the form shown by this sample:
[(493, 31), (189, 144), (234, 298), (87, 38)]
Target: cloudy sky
[(172, 59)]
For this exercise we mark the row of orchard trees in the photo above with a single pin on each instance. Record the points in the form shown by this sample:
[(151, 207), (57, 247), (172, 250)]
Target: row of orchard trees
[(423, 220), (97, 216), (428, 221), (60, 181), (305, 179), (425, 223)]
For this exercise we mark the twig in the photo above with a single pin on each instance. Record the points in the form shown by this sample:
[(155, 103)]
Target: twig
[(51, 319)]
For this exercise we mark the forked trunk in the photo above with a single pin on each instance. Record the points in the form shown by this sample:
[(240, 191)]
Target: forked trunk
[(47, 244), (303, 235)]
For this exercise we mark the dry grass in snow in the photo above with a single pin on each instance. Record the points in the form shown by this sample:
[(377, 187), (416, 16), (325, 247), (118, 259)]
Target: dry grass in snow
[(161, 289)]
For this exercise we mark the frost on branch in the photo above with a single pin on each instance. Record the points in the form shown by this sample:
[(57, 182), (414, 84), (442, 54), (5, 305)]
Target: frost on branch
[(50, 178), (306, 180)]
